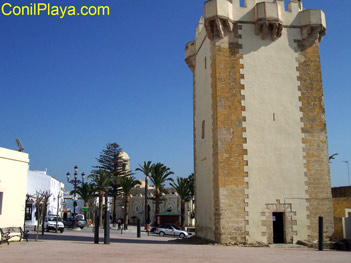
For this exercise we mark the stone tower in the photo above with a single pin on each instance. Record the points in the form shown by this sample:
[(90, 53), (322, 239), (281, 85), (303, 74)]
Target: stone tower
[(260, 142)]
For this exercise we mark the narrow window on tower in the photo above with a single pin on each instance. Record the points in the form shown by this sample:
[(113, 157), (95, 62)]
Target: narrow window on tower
[(205, 63), (203, 129)]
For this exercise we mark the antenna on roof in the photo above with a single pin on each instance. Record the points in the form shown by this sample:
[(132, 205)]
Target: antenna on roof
[(19, 145)]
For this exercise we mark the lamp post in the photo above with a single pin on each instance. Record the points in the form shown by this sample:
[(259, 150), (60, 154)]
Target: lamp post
[(75, 182), (348, 171)]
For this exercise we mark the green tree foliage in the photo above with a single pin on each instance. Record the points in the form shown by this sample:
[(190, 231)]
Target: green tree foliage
[(146, 170), (86, 191), (332, 157), (127, 183), (159, 175), (191, 180), (110, 161), (183, 188), (101, 181)]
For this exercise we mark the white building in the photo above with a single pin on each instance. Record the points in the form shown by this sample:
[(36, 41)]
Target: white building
[(68, 208), (41, 181), (13, 180)]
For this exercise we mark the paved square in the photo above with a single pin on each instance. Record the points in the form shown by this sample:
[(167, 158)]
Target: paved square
[(74, 246)]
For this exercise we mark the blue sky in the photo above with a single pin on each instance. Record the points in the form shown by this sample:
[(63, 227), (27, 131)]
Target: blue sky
[(69, 86)]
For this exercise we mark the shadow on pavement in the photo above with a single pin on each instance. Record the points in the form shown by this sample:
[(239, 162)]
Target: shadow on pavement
[(89, 239)]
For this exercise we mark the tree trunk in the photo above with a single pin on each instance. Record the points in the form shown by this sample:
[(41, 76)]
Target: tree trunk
[(114, 216), (106, 199), (146, 215), (86, 204), (126, 212), (101, 196), (43, 217), (38, 220), (92, 210), (182, 212), (157, 208)]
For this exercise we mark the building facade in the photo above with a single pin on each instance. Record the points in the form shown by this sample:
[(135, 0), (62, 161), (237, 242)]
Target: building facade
[(13, 183), (170, 202), (39, 181), (342, 211), (260, 142), (68, 208)]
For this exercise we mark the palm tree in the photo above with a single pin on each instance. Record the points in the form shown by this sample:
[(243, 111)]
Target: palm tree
[(183, 188), (127, 183), (332, 157), (159, 175), (146, 170), (87, 192), (101, 181)]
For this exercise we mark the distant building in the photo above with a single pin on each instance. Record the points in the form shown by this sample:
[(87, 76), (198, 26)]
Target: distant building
[(342, 211), (13, 183), (68, 208), (41, 181), (170, 204)]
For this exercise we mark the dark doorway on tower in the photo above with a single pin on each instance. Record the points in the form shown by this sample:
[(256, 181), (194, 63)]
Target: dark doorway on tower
[(278, 228)]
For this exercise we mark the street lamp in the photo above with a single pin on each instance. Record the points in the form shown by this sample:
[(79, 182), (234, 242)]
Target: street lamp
[(75, 182), (348, 170)]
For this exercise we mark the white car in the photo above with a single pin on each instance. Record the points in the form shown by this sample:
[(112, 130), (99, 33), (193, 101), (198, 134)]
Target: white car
[(171, 231), (50, 224)]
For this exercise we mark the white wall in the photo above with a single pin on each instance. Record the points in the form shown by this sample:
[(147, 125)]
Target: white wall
[(13, 181), (275, 149), (41, 181), (204, 160)]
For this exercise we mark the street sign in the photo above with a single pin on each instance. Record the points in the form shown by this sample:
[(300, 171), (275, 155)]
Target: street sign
[(85, 209)]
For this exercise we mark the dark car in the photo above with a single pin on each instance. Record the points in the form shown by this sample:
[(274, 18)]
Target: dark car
[(79, 223), (165, 226)]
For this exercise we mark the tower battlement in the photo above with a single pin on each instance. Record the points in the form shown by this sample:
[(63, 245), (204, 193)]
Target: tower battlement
[(269, 17)]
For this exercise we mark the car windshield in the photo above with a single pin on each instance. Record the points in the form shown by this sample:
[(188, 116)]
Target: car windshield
[(53, 218)]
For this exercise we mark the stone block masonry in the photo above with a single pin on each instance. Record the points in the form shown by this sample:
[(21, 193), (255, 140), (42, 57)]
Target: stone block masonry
[(228, 143), (315, 141)]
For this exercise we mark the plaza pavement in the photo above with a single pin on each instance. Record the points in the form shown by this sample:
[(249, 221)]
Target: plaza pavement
[(73, 246)]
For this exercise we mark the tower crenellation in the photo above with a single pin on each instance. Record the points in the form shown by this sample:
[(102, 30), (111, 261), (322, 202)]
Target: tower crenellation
[(269, 17)]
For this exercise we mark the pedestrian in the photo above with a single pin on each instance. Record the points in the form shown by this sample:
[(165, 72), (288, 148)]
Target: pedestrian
[(119, 222)]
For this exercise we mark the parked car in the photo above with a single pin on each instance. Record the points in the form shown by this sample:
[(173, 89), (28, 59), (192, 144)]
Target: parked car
[(50, 224), (79, 223), (171, 231), (165, 226)]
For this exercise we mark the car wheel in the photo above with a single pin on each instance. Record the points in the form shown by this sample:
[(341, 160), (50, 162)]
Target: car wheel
[(181, 235), (162, 234), (47, 229), (81, 227), (61, 230)]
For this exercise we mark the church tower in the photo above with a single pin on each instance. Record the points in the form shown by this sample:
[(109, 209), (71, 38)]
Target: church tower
[(260, 142)]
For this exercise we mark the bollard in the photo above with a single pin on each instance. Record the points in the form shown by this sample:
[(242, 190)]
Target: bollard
[(320, 233), (107, 228), (138, 227), (96, 227)]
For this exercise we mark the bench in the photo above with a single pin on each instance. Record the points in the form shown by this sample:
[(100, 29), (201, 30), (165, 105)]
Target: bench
[(8, 233)]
